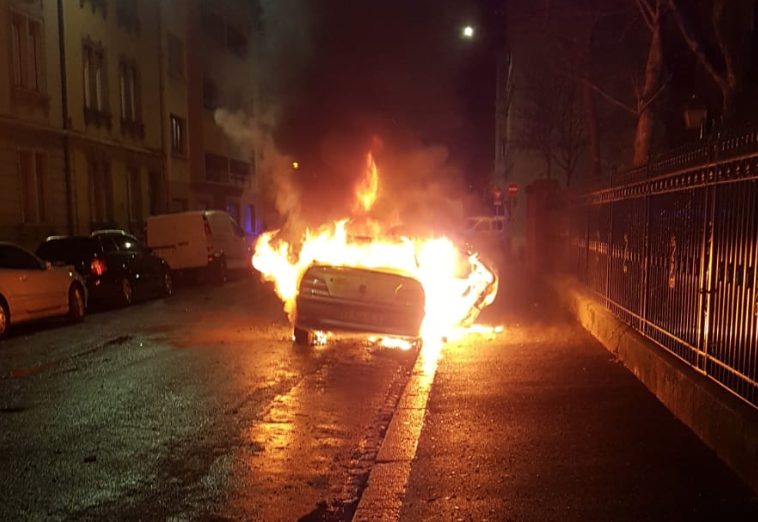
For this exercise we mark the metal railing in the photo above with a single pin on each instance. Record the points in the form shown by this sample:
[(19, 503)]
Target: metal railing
[(674, 254)]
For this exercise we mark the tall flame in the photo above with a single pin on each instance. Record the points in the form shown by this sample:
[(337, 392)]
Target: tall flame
[(368, 186), (457, 284)]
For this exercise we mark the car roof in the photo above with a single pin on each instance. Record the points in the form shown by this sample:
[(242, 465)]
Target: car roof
[(110, 232)]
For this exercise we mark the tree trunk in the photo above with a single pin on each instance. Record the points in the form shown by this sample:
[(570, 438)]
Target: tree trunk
[(643, 137)]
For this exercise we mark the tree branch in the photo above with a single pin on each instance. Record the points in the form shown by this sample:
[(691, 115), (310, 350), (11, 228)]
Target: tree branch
[(615, 101), (647, 13), (657, 93), (696, 47)]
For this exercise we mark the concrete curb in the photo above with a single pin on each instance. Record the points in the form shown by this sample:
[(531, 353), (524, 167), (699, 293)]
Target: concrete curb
[(383, 497), (726, 424)]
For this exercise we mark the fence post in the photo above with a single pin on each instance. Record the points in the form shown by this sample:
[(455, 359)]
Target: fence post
[(706, 278), (645, 266)]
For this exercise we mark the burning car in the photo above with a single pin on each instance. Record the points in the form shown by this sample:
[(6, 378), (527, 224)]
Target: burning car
[(359, 300), (355, 275)]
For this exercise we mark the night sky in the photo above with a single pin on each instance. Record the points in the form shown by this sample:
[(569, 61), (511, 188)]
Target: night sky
[(398, 72)]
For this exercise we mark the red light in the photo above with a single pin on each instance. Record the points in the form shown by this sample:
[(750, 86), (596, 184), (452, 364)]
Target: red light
[(512, 188), (98, 267)]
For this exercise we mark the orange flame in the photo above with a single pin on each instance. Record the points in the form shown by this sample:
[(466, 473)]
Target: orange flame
[(368, 186), (456, 283)]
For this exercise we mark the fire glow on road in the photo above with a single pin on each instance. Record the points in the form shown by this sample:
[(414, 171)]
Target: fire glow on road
[(457, 284)]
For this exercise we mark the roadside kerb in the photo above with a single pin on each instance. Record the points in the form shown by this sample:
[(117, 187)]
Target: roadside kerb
[(383, 497), (726, 424)]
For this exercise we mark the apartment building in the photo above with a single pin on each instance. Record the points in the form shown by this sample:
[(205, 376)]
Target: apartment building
[(113, 99), (33, 196), (107, 113)]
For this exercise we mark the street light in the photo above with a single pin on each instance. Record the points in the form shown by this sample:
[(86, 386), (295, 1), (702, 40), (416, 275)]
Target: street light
[(467, 32)]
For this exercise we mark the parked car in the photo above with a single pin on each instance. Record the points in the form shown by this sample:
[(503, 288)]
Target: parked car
[(31, 289), (116, 266), (357, 300), (209, 241)]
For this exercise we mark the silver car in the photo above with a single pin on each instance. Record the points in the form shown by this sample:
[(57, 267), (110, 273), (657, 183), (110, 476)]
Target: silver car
[(358, 300), (32, 289)]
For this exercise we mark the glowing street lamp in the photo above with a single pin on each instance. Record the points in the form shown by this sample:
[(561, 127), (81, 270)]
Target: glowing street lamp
[(467, 32), (295, 165)]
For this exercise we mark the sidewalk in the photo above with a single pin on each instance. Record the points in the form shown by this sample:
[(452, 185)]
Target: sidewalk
[(543, 424)]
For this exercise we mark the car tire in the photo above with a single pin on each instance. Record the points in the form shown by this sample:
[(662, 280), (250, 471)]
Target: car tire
[(126, 292), (168, 284), (302, 337), (76, 304), (5, 320)]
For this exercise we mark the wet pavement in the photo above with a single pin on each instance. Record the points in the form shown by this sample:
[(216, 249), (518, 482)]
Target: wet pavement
[(194, 407), (542, 423), (199, 407)]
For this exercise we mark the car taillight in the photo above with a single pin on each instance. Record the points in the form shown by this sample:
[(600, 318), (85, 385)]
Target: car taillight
[(314, 286), (98, 267)]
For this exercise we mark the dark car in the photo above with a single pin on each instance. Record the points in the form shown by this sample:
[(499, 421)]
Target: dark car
[(357, 300), (116, 266)]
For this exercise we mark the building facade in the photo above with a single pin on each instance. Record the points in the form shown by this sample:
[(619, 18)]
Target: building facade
[(33, 178), (205, 168), (107, 113)]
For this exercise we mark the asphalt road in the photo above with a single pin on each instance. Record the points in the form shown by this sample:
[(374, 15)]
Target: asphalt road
[(193, 407), (199, 407)]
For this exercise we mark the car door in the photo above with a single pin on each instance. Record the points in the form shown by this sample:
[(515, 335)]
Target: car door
[(130, 255), (32, 287)]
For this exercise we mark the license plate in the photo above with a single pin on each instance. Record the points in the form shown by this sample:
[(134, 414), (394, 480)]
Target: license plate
[(361, 316)]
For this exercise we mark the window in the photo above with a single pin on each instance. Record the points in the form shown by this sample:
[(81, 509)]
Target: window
[(100, 192), (178, 135), (127, 243), (240, 171), (16, 258), (131, 111), (250, 219), (210, 95), (95, 84), (127, 14), (233, 209), (128, 79), (27, 53), (135, 195), (175, 56), (32, 172), (154, 192), (216, 168)]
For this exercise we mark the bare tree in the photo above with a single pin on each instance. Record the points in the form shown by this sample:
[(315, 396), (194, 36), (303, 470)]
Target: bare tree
[(733, 25), (570, 133), (552, 126)]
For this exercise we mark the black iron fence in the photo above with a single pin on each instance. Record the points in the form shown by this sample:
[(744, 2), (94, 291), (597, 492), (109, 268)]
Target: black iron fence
[(672, 250)]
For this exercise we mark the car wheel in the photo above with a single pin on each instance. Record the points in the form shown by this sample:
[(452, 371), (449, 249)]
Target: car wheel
[(168, 284), (5, 320), (127, 292), (302, 337), (76, 304)]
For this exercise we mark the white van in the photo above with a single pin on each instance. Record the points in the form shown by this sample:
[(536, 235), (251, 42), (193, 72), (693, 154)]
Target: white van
[(207, 240)]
